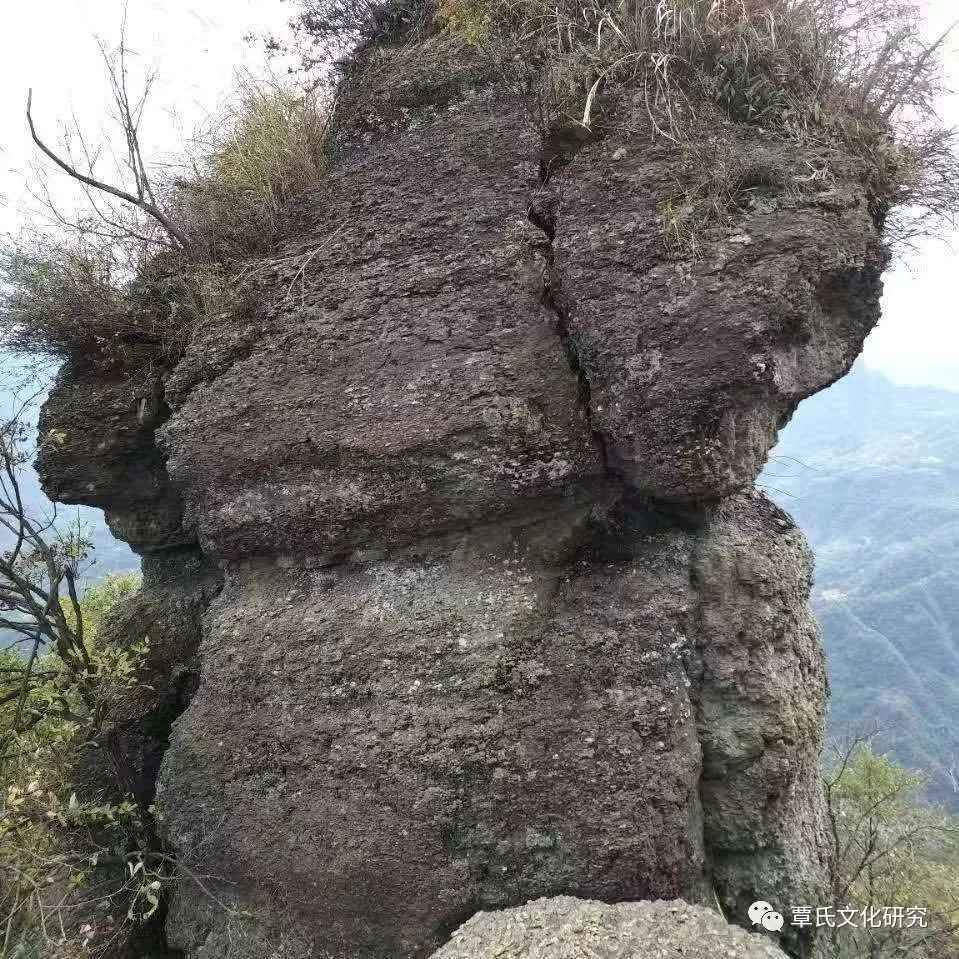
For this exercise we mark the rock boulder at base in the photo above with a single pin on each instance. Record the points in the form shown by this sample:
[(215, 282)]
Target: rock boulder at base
[(567, 928)]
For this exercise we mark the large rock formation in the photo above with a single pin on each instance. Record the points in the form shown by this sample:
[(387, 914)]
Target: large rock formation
[(503, 616)]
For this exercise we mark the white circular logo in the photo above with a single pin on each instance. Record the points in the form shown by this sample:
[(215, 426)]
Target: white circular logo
[(773, 921), (757, 910)]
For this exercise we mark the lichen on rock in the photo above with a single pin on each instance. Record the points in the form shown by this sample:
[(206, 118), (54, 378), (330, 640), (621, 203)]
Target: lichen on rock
[(566, 928)]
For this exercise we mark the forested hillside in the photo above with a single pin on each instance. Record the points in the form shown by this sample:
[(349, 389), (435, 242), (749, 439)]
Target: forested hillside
[(871, 473)]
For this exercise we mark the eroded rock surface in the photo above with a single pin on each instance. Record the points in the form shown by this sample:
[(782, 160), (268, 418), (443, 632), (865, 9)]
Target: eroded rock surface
[(566, 928), (694, 364), (503, 617), (165, 619), (551, 707), (97, 448), (404, 377)]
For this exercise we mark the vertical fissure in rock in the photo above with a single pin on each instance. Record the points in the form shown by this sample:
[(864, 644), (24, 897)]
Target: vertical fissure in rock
[(542, 212)]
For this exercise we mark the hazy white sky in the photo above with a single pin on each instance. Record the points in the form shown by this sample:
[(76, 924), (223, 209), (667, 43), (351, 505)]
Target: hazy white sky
[(196, 47)]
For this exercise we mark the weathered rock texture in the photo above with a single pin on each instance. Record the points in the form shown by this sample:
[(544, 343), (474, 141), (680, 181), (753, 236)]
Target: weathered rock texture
[(565, 928), (503, 617), (98, 448)]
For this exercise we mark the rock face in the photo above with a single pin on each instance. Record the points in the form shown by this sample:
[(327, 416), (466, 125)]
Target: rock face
[(693, 365), (503, 617), (565, 928), (98, 448)]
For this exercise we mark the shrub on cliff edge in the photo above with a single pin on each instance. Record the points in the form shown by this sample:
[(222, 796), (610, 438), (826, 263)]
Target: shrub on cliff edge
[(115, 287), (857, 77), (78, 296)]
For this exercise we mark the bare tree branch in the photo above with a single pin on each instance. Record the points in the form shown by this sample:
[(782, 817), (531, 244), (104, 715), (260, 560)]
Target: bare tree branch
[(144, 200)]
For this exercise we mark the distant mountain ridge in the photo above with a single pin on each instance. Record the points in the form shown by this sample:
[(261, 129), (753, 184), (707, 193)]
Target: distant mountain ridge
[(870, 470)]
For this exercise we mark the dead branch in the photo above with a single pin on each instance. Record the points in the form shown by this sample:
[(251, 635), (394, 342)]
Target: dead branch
[(143, 199)]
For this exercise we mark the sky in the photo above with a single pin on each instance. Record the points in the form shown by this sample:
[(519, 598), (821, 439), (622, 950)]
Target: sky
[(196, 48)]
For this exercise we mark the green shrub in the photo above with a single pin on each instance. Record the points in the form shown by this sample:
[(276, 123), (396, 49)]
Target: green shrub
[(60, 847), (889, 849)]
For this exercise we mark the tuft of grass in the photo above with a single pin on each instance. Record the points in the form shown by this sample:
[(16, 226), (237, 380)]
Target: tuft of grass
[(855, 76), (116, 295), (777, 61), (723, 175), (267, 148), (846, 80)]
